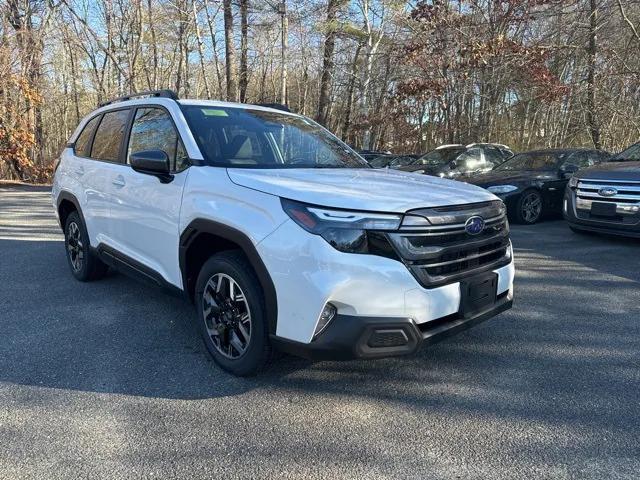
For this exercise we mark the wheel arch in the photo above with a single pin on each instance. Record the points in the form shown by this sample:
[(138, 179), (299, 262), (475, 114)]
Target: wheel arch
[(67, 203), (203, 238)]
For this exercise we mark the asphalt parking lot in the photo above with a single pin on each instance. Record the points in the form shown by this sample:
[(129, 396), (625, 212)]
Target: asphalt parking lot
[(109, 379)]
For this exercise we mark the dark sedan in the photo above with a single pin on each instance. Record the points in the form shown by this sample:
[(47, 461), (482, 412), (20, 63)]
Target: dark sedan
[(532, 184)]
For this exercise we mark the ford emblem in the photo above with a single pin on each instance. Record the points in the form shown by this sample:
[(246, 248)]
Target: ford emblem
[(607, 192), (474, 225)]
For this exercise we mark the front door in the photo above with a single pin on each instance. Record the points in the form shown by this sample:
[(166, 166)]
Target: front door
[(146, 214)]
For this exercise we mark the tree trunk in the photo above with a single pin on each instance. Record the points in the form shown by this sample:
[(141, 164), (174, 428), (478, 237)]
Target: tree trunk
[(285, 47), (592, 50), (201, 52), (327, 62), (232, 82), (244, 45)]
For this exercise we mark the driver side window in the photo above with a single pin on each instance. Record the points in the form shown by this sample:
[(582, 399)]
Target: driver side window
[(153, 129)]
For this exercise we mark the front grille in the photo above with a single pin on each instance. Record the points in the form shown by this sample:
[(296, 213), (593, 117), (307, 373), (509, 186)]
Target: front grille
[(444, 252), (627, 192), (624, 194)]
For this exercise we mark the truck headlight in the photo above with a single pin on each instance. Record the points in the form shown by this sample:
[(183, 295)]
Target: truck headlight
[(345, 230), (498, 189), (573, 182)]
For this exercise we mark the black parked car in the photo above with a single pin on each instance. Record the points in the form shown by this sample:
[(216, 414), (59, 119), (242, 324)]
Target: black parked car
[(606, 198), (532, 184), (451, 161)]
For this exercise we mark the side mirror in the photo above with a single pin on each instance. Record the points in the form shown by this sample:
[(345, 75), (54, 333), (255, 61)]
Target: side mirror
[(568, 170), (453, 165), (152, 162)]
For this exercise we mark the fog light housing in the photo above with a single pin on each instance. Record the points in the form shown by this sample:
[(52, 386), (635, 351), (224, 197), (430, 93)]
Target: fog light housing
[(328, 313)]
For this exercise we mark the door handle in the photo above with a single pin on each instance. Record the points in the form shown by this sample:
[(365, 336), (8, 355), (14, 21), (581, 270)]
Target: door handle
[(80, 171), (119, 181)]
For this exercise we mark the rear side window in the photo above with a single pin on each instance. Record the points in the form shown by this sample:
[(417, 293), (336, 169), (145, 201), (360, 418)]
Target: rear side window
[(153, 129), (106, 144), (82, 144)]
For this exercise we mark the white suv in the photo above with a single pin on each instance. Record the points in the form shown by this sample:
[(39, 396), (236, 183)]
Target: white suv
[(280, 234)]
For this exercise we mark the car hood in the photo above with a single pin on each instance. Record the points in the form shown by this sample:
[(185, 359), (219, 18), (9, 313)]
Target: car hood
[(359, 189), (612, 171), (505, 177)]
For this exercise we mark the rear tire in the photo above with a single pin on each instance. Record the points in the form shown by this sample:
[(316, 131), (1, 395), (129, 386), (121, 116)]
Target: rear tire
[(84, 265), (529, 208), (231, 314)]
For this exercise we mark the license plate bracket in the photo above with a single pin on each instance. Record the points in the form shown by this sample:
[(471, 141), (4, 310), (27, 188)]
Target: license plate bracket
[(603, 209), (478, 294)]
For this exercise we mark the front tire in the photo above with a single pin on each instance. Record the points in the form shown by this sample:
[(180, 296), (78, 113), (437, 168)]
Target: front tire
[(85, 266), (529, 207), (231, 314)]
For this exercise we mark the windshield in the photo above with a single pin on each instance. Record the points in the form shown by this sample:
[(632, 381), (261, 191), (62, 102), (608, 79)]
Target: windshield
[(247, 138), (439, 156), (630, 154), (532, 161)]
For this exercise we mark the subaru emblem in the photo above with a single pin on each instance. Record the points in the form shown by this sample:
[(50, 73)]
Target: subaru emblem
[(607, 192), (474, 225)]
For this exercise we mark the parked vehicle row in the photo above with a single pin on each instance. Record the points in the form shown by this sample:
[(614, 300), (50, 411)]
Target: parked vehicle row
[(531, 184)]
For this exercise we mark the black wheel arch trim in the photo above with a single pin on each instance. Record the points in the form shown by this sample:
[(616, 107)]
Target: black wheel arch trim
[(198, 226), (70, 197)]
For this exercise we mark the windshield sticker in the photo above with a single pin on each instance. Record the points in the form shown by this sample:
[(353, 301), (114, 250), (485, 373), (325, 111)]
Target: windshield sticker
[(214, 112)]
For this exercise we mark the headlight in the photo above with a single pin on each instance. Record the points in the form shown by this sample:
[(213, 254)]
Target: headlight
[(573, 182), (502, 188), (346, 230)]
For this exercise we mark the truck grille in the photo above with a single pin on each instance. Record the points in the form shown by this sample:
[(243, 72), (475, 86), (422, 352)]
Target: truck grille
[(623, 193), (444, 252)]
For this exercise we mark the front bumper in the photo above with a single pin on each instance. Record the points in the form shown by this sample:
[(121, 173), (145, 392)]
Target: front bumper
[(307, 273), (623, 224), (350, 337)]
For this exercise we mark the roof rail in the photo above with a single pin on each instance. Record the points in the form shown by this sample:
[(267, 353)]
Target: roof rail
[(151, 93), (449, 145), (277, 106)]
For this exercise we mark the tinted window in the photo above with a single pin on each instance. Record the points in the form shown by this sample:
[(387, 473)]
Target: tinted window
[(82, 143), (579, 159), (531, 161), (153, 129), (238, 137), (493, 156), (439, 156), (380, 162), (630, 154), (106, 145)]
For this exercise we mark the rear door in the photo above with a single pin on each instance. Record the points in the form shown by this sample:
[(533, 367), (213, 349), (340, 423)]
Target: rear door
[(146, 213), (96, 151), (106, 156)]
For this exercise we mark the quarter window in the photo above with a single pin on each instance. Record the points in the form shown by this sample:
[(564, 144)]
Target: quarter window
[(83, 141), (153, 130), (106, 145)]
